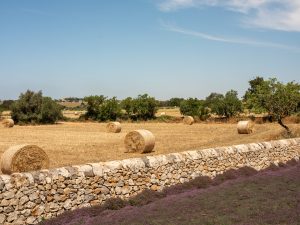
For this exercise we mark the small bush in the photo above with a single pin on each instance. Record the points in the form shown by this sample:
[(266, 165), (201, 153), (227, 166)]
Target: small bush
[(292, 162), (227, 175), (230, 174), (247, 171), (145, 197), (282, 165), (114, 204), (201, 182), (273, 167)]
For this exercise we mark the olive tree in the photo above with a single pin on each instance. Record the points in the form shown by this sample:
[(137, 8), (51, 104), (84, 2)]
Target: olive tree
[(102, 108), (194, 107), (227, 105), (143, 107), (276, 98), (33, 108)]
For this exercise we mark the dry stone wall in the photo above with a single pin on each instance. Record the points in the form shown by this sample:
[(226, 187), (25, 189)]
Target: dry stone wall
[(27, 198)]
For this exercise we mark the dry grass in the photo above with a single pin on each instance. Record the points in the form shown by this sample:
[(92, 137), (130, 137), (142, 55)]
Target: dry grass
[(70, 104), (5, 115), (78, 143), (71, 114), (169, 112)]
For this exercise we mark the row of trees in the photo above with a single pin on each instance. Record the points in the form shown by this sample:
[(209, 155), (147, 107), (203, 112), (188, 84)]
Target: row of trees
[(227, 105), (144, 107), (269, 96), (34, 108), (6, 105), (102, 108)]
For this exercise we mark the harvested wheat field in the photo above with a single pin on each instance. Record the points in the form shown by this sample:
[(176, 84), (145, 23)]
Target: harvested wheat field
[(71, 114), (78, 143), (169, 112)]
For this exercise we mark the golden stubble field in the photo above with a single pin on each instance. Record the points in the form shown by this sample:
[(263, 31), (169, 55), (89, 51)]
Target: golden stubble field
[(79, 143), (73, 114)]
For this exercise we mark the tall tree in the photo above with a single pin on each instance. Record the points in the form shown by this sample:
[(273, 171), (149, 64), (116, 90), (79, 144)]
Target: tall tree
[(278, 99), (228, 105), (254, 83)]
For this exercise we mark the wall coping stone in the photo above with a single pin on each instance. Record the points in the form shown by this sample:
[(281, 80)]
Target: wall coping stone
[(99, 169)]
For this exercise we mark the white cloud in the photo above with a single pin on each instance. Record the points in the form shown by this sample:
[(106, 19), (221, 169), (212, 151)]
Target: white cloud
[(271, 14), (243, 41), (172, 5)]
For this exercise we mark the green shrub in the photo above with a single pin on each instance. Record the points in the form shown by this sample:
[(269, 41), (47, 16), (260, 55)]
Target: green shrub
[(50, 111), (143, 107), (93, 106), (194, 107), (109, 110), (33, 108), (5, 105), (175, 102), (279, 100), (127, 105), (228, 105), (101, 108)]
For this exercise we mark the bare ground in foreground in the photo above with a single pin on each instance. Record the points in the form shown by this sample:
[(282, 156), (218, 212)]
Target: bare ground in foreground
[(79, 143)]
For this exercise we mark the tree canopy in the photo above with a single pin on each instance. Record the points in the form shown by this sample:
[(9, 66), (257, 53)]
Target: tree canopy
[(33, 108), (276, 98), (194, 107), (227, 105)]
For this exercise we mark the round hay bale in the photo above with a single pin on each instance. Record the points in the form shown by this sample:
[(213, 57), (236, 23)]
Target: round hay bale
[(188, 120), (8, 123), (76, 113), (139, 141), (23, 158), (245, 127), (113, 127)]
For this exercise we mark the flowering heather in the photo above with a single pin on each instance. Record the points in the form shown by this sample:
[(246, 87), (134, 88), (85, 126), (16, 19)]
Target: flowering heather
[(242, 196)]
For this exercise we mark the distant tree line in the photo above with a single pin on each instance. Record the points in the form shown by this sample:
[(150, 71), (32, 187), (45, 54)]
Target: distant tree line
[(102, 108), (70, 99), (227, 105), (271, 96), (5, 105)]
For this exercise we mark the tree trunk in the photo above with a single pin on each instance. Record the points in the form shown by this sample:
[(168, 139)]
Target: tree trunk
[(284, 126)]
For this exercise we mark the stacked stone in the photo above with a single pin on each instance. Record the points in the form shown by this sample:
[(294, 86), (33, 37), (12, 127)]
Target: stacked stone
[(28, 198)]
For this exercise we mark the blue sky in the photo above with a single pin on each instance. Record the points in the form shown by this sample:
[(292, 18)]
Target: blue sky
[(166, 48)]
